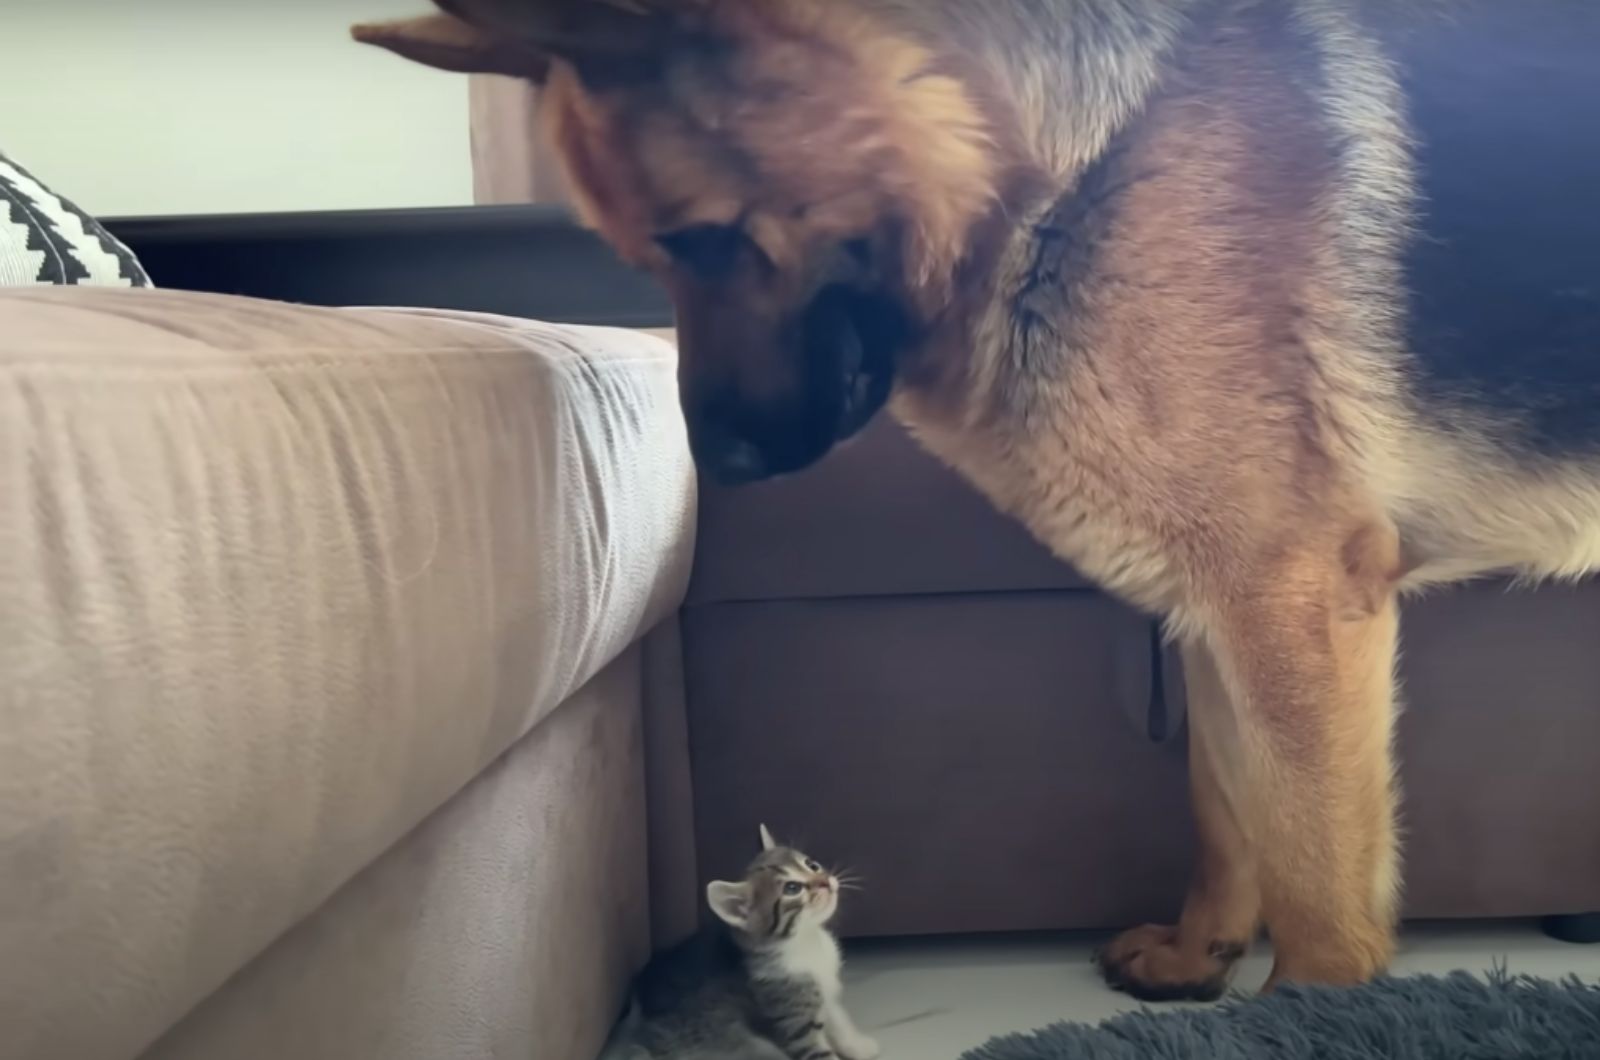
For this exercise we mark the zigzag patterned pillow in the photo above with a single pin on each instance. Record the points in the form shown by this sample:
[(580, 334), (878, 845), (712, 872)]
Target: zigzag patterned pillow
[(46, 239)]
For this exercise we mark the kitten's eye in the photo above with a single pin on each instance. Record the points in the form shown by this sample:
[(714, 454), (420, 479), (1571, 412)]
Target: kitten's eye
[(792, 888), (812, 866), (709, 250)]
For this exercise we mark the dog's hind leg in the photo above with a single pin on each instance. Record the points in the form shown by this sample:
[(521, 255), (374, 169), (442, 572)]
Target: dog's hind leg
[(1306, 646), (1194, 960)]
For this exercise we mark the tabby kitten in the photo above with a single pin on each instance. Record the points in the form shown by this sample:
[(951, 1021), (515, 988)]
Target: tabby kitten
[(763, 984)]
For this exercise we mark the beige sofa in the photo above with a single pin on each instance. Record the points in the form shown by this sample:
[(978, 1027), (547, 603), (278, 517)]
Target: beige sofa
[(325, 641)]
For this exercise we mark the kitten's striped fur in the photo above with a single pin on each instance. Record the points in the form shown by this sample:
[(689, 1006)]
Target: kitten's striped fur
[(761, 984)]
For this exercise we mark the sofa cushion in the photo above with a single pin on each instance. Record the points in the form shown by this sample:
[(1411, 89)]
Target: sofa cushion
[(275, 582), (44, 238)]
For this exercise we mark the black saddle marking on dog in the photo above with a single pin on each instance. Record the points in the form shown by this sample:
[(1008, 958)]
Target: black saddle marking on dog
[(1503, 276)]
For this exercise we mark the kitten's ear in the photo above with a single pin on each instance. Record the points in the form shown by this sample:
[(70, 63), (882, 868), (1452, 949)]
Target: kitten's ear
[(449, 43), (730, 901), (767, 842)]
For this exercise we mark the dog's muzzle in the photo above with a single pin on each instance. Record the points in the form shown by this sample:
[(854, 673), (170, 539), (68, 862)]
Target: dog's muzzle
[(855, 334)]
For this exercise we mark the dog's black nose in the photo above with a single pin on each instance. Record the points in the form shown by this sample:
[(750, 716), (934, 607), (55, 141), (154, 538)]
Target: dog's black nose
[(727, 443), (733, 461)]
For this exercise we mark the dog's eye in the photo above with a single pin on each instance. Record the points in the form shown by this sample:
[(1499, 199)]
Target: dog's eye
[(708, 250), (792, 888)]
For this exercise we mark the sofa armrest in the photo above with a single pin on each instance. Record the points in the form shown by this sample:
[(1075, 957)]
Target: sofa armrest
[(277, 581)]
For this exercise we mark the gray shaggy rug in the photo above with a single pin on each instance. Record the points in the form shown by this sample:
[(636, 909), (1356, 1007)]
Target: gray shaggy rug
[(1462, 1017)]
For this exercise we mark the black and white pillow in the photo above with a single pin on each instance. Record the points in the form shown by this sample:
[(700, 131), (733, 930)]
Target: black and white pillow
[(46, 239)]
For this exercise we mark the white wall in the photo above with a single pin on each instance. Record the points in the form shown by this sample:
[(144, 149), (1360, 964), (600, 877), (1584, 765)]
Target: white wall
[(218, 106)]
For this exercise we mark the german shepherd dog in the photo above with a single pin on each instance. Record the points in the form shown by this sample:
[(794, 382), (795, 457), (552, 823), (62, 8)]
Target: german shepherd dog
[(1259, 312)]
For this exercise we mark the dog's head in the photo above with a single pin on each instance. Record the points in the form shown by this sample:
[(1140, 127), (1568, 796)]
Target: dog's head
[(803, 179)]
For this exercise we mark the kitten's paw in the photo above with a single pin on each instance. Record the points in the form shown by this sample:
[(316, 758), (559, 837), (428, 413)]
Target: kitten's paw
[(858, 1047)]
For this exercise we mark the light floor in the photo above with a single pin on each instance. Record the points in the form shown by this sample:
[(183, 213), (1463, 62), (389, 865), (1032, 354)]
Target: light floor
[(935, 999)]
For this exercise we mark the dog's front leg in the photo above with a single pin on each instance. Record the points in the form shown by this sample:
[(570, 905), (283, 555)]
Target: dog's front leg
[(1306, 647), (1194, 960)]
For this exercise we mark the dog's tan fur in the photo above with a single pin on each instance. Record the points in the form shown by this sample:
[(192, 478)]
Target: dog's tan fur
[(1194, 394)]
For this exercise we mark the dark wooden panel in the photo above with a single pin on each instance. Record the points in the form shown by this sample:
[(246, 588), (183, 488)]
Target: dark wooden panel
[(984, 761), (528, 261)]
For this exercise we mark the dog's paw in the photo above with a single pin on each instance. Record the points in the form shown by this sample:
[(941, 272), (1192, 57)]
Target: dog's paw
[(1147, 963)]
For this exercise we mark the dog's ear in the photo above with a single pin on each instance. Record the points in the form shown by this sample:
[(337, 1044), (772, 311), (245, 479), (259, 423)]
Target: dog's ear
[(605, 41), (449, 43)]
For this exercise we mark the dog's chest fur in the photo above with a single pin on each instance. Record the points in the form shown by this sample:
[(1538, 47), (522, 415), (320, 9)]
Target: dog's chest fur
[(1145, 350), (1205, 339)]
